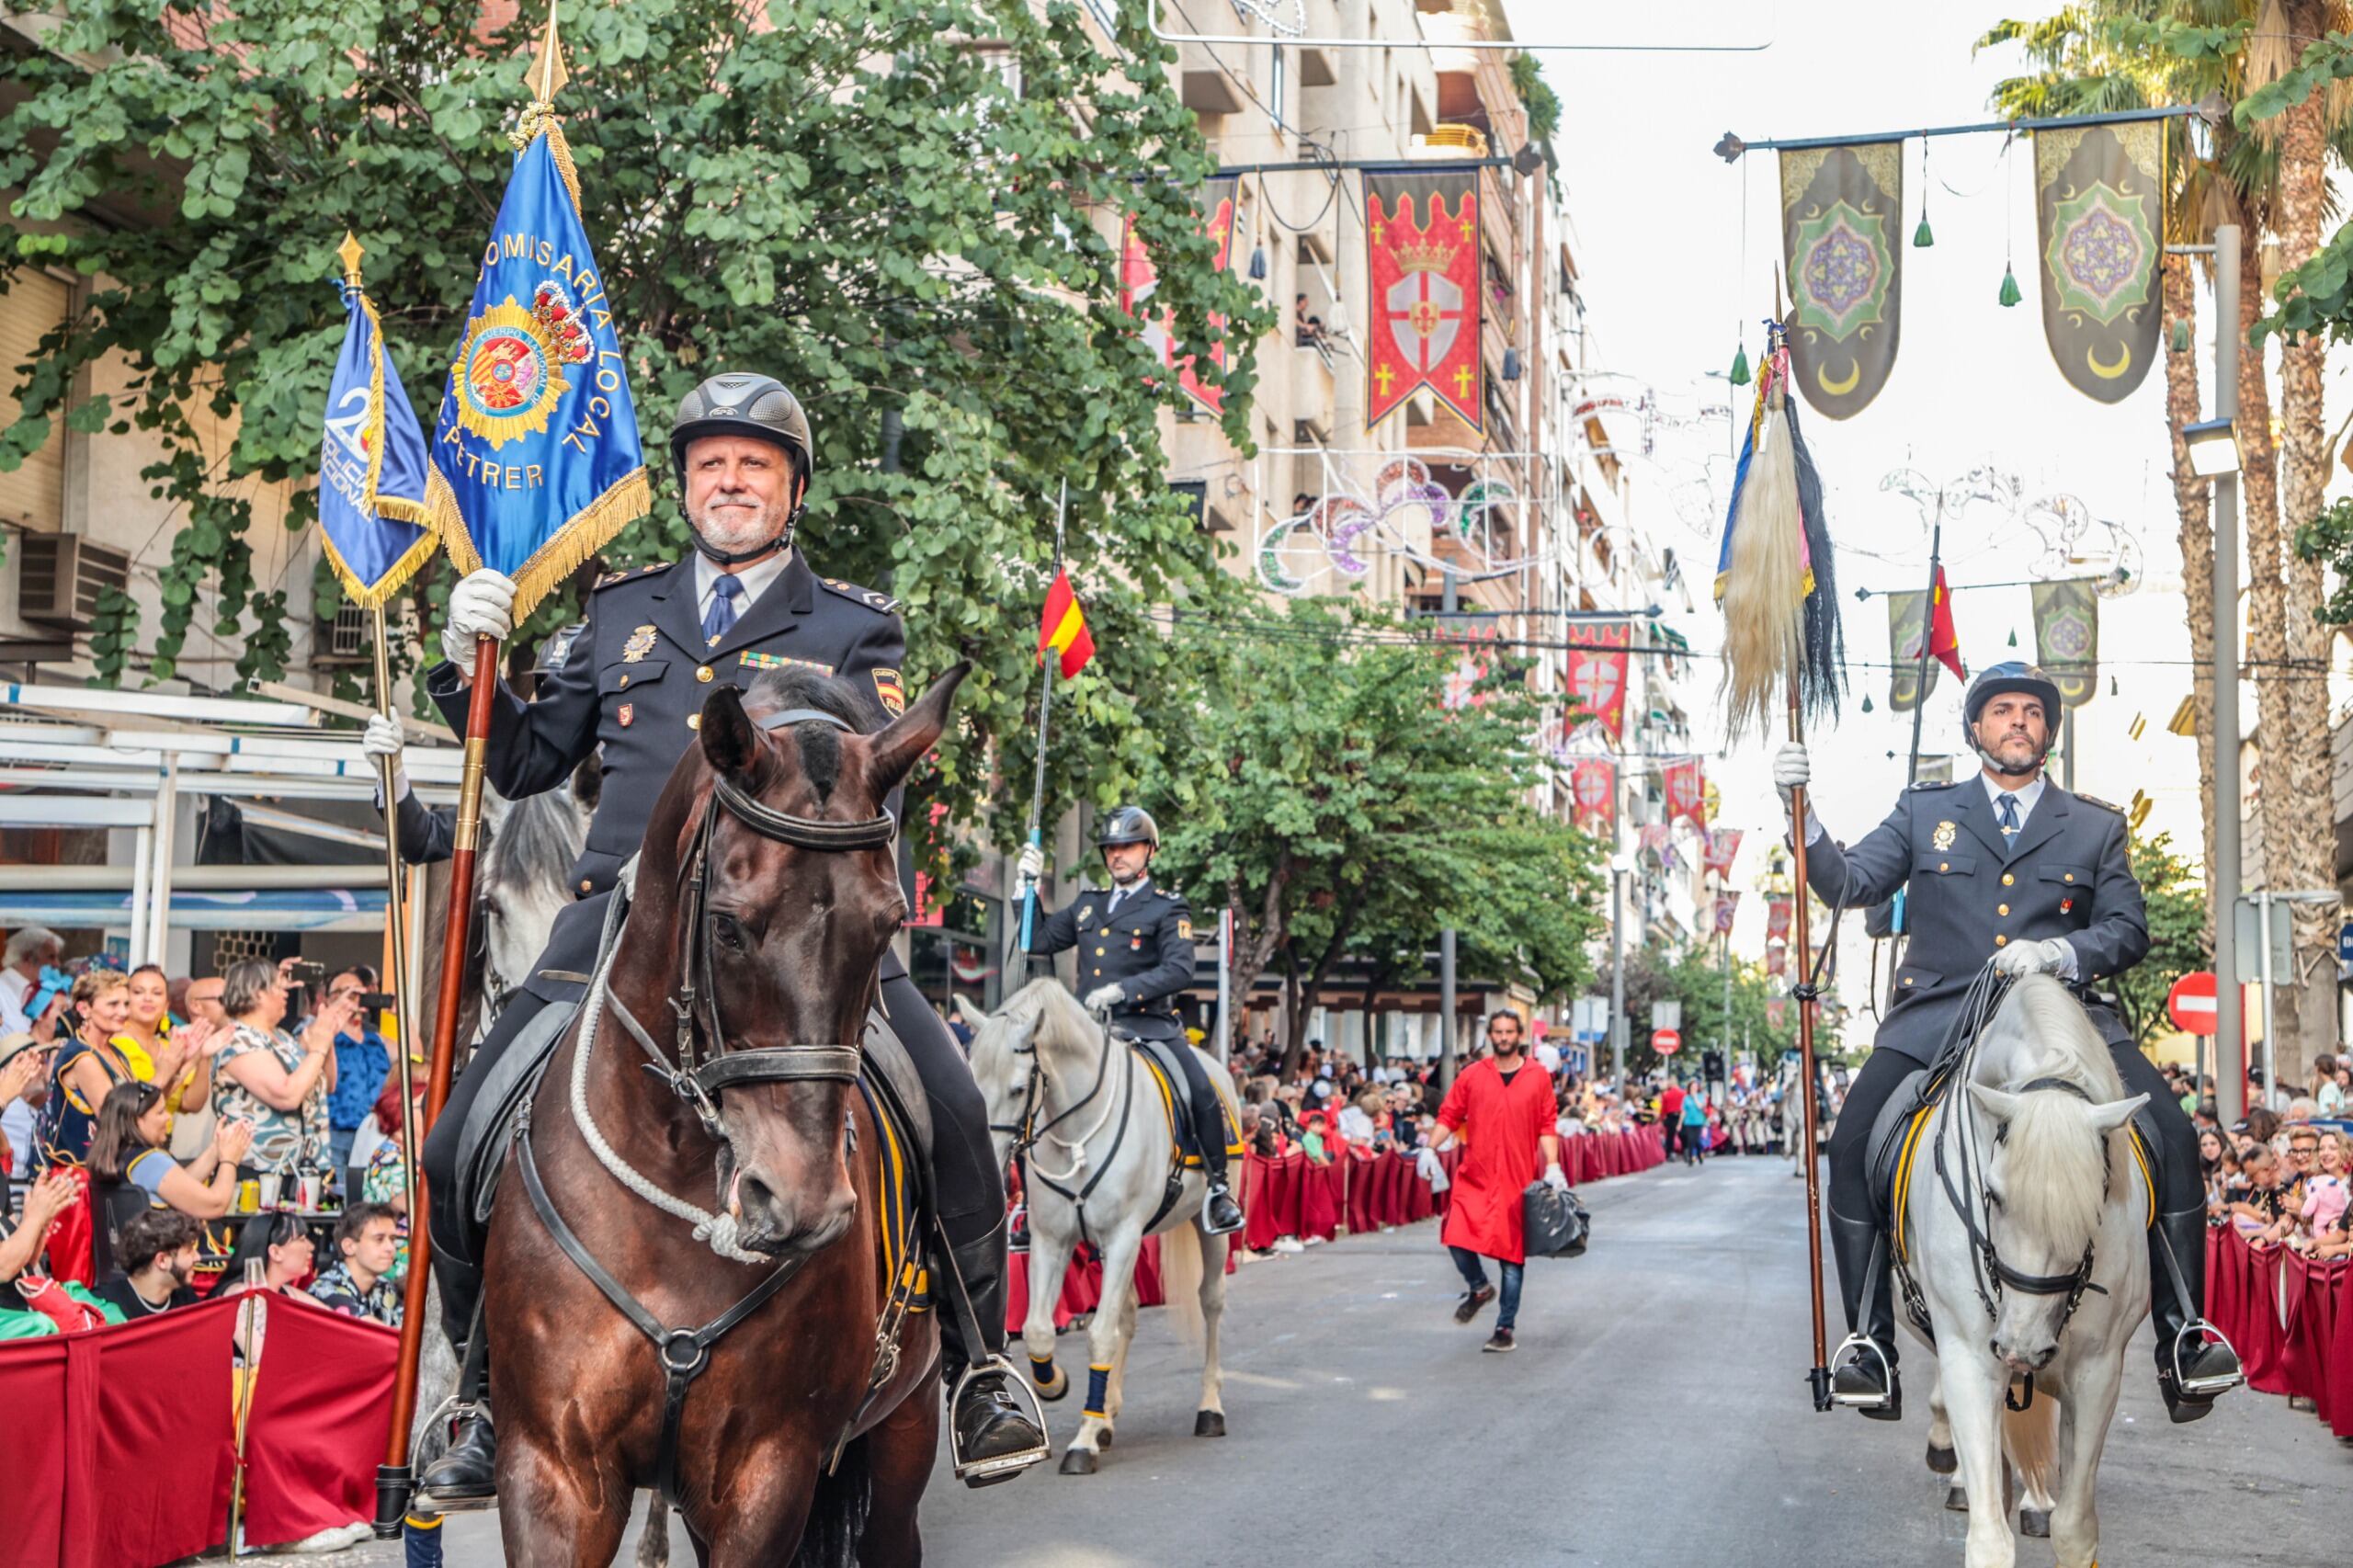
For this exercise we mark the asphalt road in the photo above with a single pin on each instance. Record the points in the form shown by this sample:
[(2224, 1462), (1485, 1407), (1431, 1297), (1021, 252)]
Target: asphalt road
[(1656, 1413)]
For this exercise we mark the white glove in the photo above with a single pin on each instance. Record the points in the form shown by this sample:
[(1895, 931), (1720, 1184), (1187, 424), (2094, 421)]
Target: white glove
[(1432, 1169), (1791, 772), (384, 740), (1027, 866), (482, 604), (2048, 956), (1103, 998), (1554, 1178)]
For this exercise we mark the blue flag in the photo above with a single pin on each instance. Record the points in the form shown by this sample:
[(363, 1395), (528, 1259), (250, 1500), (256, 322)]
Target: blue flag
[(371, 466), (536, 461)]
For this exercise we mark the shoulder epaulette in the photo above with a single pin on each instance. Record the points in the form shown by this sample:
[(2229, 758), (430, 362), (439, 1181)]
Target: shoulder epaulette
[(1937, 784), (626, 574), (2103, 805), (880, 604)]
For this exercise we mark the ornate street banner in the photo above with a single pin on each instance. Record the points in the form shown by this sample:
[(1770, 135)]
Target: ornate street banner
[(1727, 904), (536, 461), (1596, 677), (1593, 788), (1685, 792), (1139, 279), (1724, 847), (1421, 227), (1841, 210), (1777, 1012), (2099, 224), (1777, 919), (2066, 637), (1907, 620)]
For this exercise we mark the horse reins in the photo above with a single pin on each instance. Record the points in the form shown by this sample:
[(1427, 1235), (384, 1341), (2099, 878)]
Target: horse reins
[(701, 1070), (1026, 1135)]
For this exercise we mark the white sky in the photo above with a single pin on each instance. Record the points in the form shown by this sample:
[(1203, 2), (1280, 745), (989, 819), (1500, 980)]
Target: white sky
[(1658, 224)]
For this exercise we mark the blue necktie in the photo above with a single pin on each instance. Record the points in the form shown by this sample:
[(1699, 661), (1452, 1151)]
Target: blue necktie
[(2008, 820), (720, 618)]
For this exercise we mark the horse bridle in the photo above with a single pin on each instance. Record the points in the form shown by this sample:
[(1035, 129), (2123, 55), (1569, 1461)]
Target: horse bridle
[(1027, 1133), (702, 1068), (1991, 1275)]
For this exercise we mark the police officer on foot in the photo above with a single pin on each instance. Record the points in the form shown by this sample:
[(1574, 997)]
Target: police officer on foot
[(632, 686), (2003, 866), (1135, 956)]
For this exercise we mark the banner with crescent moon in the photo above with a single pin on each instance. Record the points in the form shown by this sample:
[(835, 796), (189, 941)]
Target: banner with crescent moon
[(1907, 622), (2099, 229), (1841, 208), (2066, 637), (1421, 226)]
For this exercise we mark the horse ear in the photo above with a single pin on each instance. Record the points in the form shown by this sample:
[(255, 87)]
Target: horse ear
[(894, 749), (1994, 1102), (970, 1015), (729, 740), (2116, 1113)]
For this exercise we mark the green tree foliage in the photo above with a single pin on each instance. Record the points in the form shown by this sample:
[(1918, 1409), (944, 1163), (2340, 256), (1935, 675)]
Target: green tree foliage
[(1325, 793), (2176, 936), (1694, 976), (837, 192)]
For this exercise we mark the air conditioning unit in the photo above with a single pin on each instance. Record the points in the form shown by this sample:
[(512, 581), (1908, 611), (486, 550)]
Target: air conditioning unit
[(343, 639), (60, 578)]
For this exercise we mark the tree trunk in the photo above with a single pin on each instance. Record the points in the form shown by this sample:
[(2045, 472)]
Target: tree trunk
[(2278, 722), (2194, 500), (1254, 941), (2310, 854), (1294, 1014)]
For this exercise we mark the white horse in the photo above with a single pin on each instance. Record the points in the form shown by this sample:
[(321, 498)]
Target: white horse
[(2035, 1275), (1095, 1127)]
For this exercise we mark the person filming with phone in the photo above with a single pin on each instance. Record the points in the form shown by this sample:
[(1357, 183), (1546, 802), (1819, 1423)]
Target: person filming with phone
[(266, 1076)]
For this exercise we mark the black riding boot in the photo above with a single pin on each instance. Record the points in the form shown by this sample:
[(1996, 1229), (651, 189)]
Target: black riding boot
[(1866, 1381), (2191, 1370), (467, 1472), (994, 1437), (1220, 1215)]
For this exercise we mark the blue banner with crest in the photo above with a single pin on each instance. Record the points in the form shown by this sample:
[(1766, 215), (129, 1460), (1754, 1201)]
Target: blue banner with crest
[(371, 466), (536, 461)]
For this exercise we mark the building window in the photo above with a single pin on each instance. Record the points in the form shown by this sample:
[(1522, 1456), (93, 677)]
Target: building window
[(36, 304), (1279, 85)]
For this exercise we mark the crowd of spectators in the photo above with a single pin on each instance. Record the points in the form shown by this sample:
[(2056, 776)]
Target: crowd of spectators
[(162, 1134), (2283, 1174)]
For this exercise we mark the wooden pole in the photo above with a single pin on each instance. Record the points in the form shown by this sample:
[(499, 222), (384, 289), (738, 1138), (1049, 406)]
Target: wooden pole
[(397, 923), (1819, 1376), (445, 1044)]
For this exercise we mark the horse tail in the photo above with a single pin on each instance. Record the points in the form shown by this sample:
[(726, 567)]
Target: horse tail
[(2031, 1435), (837, 1512), (1181, 1268)]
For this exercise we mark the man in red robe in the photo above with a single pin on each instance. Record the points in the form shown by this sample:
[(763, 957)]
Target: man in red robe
[(1501, 1109)]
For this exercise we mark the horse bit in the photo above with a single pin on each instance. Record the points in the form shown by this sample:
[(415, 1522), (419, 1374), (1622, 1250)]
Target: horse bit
[(701, 1070)]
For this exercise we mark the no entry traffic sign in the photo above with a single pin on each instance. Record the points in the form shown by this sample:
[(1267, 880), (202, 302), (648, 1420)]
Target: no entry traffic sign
[(2191, 1003), (1666, 1041)]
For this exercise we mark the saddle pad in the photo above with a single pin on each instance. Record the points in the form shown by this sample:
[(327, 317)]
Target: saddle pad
[(1176, 1098), (1890, 1133), (489, 1127)]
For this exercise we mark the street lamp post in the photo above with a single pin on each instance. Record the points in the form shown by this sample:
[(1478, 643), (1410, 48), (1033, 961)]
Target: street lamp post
[(2230, 1047)]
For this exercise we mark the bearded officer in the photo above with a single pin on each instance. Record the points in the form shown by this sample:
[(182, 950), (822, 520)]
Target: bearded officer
[(632, 682), (1136, 957), (2003, 866)]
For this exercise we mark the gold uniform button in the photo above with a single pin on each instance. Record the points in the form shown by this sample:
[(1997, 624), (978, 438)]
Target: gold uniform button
[(1098, 953), (694, 721), (2071, 876), (2001, 941), (624, 680), (2007, 879), (584, 884), (2001, 909), (1944, 864), (703, 674), (1907, 980)]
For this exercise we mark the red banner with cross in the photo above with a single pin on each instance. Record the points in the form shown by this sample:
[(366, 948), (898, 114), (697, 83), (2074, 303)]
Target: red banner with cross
[(1598, 659), (1593, 785), (1421, 230), (1687, 791), (1140, 281)]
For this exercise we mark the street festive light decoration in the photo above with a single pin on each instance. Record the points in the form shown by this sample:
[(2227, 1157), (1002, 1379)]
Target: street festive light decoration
[(1776, 586)]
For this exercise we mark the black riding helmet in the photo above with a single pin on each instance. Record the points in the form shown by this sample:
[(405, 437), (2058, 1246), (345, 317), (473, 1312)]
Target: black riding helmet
[(1127, 824), (2013, 674), (739, 403)]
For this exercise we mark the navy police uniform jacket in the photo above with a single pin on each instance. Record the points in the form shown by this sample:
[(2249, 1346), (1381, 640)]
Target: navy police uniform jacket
[(2067, 873), (1146, 950), (631, 687)]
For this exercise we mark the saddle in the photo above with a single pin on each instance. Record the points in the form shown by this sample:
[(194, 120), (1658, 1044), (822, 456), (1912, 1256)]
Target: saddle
[(887, 1077), (1167, 1070)]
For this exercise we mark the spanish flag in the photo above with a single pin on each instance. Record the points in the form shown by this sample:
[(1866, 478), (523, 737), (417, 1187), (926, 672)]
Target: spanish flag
[(1944, 639), (1065, 627)]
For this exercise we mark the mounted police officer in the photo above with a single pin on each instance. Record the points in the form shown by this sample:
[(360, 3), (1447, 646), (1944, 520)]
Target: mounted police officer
[(1136, 957), (2007, 867), (632, 685)]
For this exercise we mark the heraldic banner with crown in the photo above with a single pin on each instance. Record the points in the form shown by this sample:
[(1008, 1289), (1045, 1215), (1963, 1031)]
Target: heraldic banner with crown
[(1421, 226), (536, 457)]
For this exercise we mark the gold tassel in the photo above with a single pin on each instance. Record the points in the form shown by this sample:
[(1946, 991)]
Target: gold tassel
[(1765, 584)]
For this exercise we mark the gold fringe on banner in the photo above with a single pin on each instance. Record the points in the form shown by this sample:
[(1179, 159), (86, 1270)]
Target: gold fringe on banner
[(583, 534)]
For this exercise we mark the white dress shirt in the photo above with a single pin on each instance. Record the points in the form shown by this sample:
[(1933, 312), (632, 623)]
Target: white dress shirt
[(755, 576)]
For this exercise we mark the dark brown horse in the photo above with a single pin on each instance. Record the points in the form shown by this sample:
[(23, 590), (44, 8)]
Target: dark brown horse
[(765, 894)]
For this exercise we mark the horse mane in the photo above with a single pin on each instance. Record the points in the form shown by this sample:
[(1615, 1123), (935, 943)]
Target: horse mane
[(819, 745), (1046, 1003), (537, 839), (2057, 1179)]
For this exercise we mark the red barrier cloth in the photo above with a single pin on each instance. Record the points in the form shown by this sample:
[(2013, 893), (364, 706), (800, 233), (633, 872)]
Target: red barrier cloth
[(1319, 1201), (2306, 1331), (2338, 1372), (2291, 1319), (128, 1454), (322, 1411)]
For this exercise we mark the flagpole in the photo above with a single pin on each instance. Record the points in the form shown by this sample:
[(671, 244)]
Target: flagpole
[(395, 884), (1819, 1377), (1045, 706)]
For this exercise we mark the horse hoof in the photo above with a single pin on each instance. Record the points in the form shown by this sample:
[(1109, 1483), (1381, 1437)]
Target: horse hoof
[(1942, 1461), (1103, 1439), (1078, 1462), (2034, 1522), (1209, 1423), (1955, 1500)]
